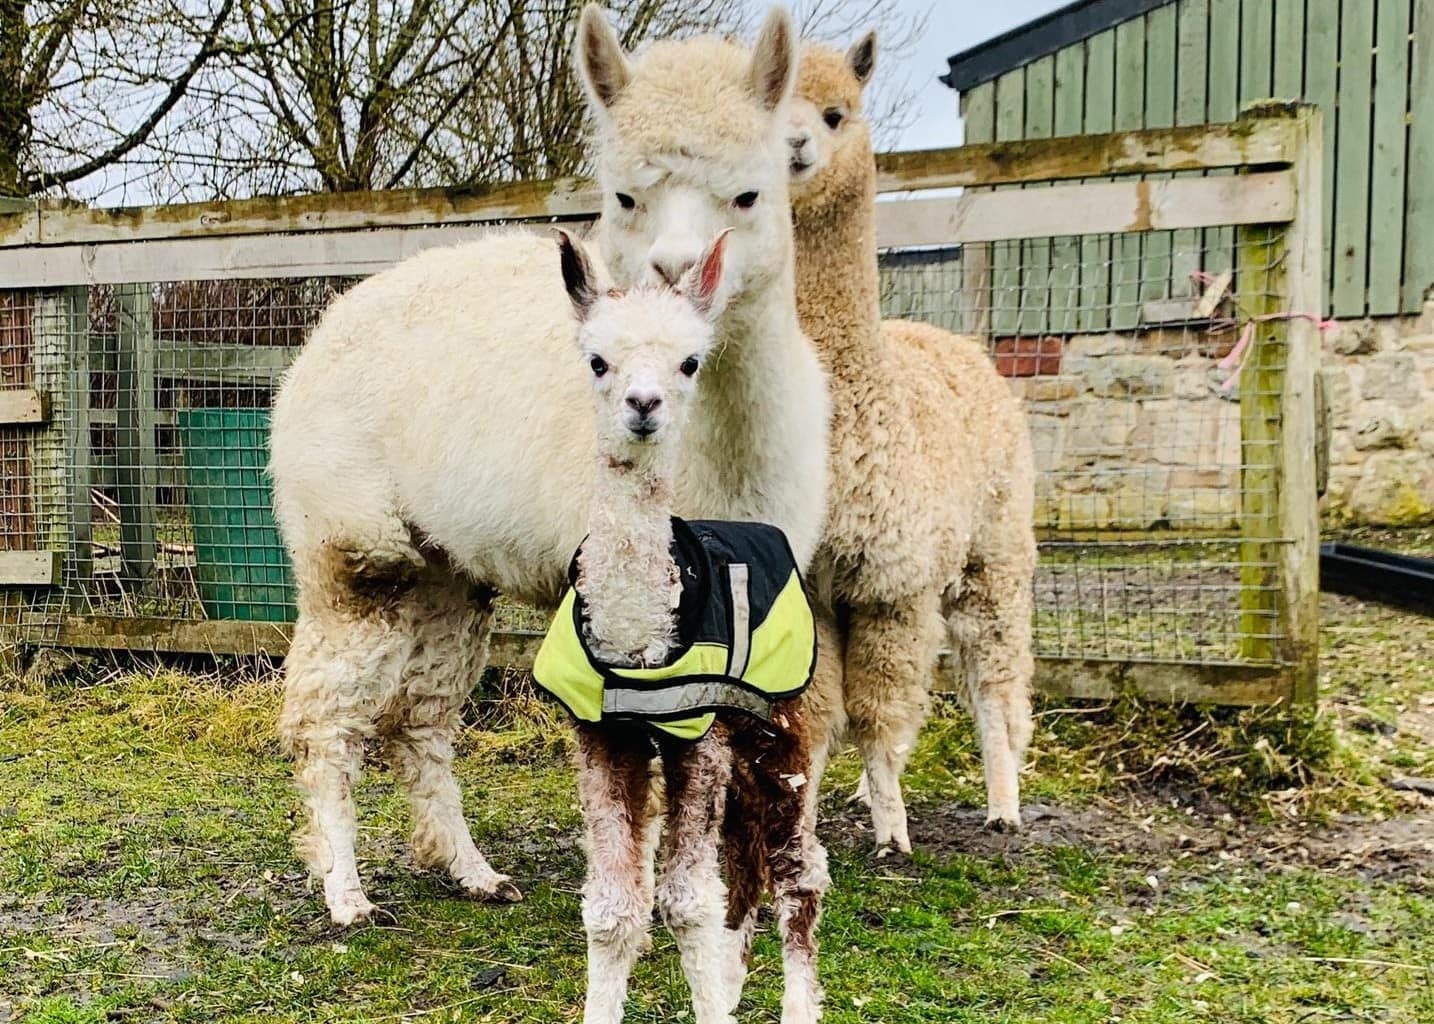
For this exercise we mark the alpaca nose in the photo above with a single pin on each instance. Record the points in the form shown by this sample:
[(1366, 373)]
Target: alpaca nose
[(672, 268), (644, 404)]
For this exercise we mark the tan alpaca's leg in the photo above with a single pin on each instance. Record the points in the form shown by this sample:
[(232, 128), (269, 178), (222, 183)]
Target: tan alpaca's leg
[(615, 790), (990, 626), (824, 707), (691, 895), (331, 676), (890, 656), (450, 632)]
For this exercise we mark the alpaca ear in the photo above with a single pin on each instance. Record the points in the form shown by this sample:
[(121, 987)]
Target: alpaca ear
[(577, 273), (602, 65), (861, 58), (774, 60), (705, 277)]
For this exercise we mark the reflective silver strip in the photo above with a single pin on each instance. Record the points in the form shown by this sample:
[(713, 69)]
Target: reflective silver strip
[(738, 579), (671, 700)]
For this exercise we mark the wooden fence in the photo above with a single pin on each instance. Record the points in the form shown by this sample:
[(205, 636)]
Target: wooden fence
[(82, 306)]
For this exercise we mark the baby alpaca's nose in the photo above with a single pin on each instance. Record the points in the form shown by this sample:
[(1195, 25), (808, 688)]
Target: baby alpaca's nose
[(644, 402)]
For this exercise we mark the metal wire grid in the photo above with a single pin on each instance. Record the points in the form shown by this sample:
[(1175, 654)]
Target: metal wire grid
[(159, 500), (1145, 492)]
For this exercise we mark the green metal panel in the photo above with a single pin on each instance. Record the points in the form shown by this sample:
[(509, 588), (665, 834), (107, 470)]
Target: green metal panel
[(1419, 204), (1099, 117), (978, 109), (1192, 27), (1065, 252), (1351, 200), (1160, 51), (1223, 104), (1034, 316), (1321, 89), (1005, 256), (1386, 185), (1129, 114), (1257, 34), (978, 113), (1289, 48)]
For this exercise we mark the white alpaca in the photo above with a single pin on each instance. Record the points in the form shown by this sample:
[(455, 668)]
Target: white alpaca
[(930, 534), (646, 349), (431, 444)]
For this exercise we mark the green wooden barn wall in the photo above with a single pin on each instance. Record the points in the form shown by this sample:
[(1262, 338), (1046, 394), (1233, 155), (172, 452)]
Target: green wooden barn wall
[(1369, 64)]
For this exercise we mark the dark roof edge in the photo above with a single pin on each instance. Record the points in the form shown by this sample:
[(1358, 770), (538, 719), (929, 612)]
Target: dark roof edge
[(1040, 38)]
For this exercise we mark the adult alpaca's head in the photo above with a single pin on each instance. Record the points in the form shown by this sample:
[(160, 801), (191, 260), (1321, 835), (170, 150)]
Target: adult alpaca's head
[(691, 141), (831, 160)]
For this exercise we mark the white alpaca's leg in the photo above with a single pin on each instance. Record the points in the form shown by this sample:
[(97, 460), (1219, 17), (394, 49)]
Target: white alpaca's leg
[(890, 655), (991, 627), (691, 895), (799, 880), (330, 676), (615, 789), (450, 632)]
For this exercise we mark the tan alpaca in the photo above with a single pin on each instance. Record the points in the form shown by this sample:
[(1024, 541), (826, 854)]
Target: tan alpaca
[(929, 531)]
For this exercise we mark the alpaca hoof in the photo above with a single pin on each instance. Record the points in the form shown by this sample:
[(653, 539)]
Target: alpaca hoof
[(347, 913), (1007, 826), (893, 848), (503, 892)]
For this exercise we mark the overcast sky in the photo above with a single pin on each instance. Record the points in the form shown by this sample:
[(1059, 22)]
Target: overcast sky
[(954, 25)]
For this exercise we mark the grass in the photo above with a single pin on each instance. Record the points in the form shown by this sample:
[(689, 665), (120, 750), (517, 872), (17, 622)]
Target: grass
[(1178, 865)]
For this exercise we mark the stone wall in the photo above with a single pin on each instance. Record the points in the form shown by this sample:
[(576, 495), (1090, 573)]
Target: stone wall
[(1134, 431), (1379, 379)]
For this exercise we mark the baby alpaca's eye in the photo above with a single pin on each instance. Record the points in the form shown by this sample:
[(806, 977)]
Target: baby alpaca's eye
[(833, 117), (745, 201), (689, 366), (626, 201), (599, 365)]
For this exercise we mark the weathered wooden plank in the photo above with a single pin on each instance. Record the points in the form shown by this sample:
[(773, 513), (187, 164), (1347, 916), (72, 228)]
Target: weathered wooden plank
[(1231, 685), (23, 405), (1289, 49), (1351, 215), (30, 568), (1127, 250), (1160, 67), (1099, 119), (246, 364), (1321, 88), (60, 451), (1005, 255), (137, 461), (1066, 251), (1193, 30), (1386, 185), (1419, 194), (1034, 312), (978, 108), (1112, 207)]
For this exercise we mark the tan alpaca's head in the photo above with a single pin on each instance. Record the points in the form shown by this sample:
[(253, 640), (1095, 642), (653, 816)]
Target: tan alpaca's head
[(691, 141), (828, 138), (644, 348)]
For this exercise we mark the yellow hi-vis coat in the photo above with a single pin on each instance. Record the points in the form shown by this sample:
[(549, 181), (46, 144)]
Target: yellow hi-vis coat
[(745, 634)]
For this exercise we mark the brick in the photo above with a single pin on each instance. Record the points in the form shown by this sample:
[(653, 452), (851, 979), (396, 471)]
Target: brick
[(1028, 357)]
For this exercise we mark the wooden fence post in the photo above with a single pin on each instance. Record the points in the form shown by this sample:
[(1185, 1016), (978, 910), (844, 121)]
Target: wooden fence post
[(1280, 273), (136, 458)]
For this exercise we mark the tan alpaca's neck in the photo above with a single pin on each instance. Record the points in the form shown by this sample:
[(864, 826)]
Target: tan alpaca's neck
[(626, 573), (838, 285)]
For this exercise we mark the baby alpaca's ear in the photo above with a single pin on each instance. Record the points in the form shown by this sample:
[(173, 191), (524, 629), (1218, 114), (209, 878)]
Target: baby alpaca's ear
[(602, 66), (704, 280), (578, 276), (861, 58)]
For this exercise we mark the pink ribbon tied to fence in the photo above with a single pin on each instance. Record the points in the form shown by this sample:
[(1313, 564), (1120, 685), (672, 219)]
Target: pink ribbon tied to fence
[(1236, 358)]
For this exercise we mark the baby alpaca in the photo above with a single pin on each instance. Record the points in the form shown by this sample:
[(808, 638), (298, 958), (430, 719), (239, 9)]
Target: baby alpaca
[(635, 656), (929, 533)]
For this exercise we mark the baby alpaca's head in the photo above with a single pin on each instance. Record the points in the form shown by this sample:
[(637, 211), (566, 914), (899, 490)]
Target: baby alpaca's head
[(829, 141), (644, 347)]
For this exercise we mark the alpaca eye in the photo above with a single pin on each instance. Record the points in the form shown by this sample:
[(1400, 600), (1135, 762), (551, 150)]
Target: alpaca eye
[(626, 201), (833, 117), (689, 366), (599, 365), (745, 201)]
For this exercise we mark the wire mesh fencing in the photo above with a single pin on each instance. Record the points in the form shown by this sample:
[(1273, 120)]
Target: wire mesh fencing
[(1143, 424)]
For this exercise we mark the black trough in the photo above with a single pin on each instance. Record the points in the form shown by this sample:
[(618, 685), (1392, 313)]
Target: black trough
[(1403, 580)]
